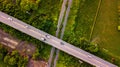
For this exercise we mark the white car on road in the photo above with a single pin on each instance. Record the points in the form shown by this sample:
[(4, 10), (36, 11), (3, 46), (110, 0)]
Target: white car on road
[(10, 19)]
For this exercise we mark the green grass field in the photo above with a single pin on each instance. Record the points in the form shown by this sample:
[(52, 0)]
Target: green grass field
[(105, 32), (85, 16)]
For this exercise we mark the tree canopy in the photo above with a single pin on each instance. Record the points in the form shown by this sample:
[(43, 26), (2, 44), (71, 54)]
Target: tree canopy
[(28, 5)]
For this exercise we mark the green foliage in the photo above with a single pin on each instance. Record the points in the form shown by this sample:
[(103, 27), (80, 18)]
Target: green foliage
[(22, 61), (93, 48), (88, 46), (28, 5), (41, 18), (15, 53), (1, 56), (85, 16), (46, 26), (66, 60), (12, 58), (36, 55), (82, 42), (12, 61), (6, 58), (15, 59), (3, 52)]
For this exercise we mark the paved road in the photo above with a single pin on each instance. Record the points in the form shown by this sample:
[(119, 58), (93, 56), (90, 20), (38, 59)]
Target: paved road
[(61, 16), (63, 29), (63, 8), (53, 41)]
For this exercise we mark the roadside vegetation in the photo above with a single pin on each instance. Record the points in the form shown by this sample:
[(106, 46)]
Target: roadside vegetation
[(43, 14), (77, 30), (106, 33), (11, 59), (81, 26), (43, 17)]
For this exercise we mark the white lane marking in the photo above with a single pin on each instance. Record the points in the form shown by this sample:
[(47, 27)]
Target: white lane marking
[(55, 41), (74, 50), (79, 53), (14, 22), (36, 32), (67, 46), (87, 56), (28, 28), (39, 34), (19, 24), (4, 17)]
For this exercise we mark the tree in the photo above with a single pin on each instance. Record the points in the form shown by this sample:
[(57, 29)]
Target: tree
[(93, 48), (15, 53), (6, 58), (22, 61), (47, 25), (28, 5), (84, 43), (18, 2), (12, 61), (88, 46), (1, 56), (36, 55), (2, 50)]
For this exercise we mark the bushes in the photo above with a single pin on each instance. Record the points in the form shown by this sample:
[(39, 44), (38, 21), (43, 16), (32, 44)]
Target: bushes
[(7, 57), (82, 42), (23, 62), (3, 52), (15, 59), (36, 55), (28, 5), (1, 56), (41, 18)]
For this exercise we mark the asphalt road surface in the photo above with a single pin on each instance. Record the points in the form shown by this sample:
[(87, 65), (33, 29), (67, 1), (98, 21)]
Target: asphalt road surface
[(63, 29), (63, 8), (53, 41)]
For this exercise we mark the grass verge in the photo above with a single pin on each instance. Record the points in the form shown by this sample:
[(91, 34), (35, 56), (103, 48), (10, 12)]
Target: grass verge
[(85, 18), (105, 31)]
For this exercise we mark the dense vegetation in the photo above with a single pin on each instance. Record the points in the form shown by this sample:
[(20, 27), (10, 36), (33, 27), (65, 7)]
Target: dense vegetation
[(12, 58), (44, 17)]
